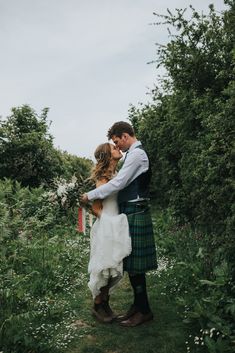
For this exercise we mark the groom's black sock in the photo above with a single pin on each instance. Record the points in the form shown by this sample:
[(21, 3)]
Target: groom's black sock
[(138, 283)]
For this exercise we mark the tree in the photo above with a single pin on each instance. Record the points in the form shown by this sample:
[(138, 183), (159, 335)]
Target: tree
[(74, 165), (26, 148), (188, 128)]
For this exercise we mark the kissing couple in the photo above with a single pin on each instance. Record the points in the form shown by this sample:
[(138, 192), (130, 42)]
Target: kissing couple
[(122, 236)]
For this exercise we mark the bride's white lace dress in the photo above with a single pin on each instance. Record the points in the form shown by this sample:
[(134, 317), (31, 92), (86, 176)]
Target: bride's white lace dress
[(110, 243)]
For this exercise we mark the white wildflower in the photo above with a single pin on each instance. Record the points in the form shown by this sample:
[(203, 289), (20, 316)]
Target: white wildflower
[(61, 190), (74, 179), (71, 186), (63, 200)]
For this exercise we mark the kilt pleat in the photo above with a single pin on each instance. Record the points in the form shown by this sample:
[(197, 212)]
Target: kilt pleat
[(143, 256)]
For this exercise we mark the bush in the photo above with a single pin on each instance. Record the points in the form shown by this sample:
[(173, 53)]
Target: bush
[(41, 254)]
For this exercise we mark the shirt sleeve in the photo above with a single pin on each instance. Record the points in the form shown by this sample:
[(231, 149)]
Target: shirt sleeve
[(135, 164)]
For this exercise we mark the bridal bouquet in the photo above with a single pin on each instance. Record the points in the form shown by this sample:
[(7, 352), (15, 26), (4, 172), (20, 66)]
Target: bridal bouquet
[(85, 185), (68, 193)]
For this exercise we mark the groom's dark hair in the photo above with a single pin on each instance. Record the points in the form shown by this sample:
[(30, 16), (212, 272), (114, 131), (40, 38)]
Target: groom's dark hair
[(120, 128)]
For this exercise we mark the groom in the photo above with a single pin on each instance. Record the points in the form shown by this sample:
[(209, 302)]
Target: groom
[(132, 185)]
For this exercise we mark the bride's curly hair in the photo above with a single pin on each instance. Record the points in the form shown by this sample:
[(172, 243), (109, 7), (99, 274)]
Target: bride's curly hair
[(103, 157)]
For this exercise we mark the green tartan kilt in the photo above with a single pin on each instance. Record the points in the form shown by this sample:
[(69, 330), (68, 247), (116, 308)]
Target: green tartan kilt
[(143, 256)]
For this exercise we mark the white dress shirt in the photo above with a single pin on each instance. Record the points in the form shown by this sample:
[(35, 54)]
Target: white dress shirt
[(136, 163)]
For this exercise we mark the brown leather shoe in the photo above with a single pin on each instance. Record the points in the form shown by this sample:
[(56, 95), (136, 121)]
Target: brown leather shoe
[(132, 310), (137, 319), (100, 314)]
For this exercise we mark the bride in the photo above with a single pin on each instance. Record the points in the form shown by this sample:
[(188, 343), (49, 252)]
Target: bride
[(110, 239)]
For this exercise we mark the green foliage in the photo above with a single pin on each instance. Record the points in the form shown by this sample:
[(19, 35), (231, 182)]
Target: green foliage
[(75, 166), (199, 277), (188, 129), (38, 286), (41, 255), (43, 283), (45, 301), (27, 153), (188, 132)]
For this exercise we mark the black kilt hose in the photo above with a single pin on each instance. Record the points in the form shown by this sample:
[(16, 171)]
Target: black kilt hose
[(143, 256)]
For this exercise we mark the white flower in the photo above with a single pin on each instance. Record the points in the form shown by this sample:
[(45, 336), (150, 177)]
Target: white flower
[(63, 200), (74, 179), (61, 190)]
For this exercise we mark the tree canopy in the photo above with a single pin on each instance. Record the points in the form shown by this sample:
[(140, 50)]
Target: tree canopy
[(188, 128), (27, 153)]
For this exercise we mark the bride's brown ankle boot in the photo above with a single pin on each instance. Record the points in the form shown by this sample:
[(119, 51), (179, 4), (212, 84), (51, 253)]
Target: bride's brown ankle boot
[(99, 312), (107, 308)]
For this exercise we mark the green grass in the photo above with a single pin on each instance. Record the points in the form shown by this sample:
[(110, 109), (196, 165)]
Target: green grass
[(165, 334), (59, 314)]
